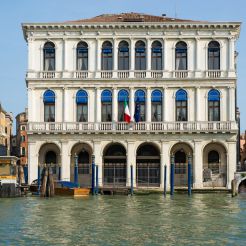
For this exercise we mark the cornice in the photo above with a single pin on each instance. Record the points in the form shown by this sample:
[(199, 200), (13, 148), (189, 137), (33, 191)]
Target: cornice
[(32, 27)]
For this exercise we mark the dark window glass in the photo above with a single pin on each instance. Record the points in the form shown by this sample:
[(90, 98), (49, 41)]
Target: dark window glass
[(140, 56), (180, 162), (214, 56), (213, 161), (49, 106), (107, 56), (123, 56), (181, 56), (140, 99), (83, 162), (156, 56), (181, 106), (82, 106), (49, 56), (156, 106), (214, 105), (82, 56), (106, 99), (123, 96)]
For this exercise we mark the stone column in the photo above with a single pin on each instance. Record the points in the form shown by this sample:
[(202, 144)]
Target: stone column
[(165, 160), (98, 58), (115, 58), (231, 162), (163, 104), (65, 161), (231, 104), (98, 104), (231, 50), (131, 102), (131, 160), (31, 105), (115, 108), (98, 161), (164, 55), (148, 105), (197, 165), (32, 162), (198, 102), (148, 53), (132, 58)]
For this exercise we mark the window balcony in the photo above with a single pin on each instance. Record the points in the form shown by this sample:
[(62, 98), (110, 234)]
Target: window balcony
[(213, 73), (123, 127)]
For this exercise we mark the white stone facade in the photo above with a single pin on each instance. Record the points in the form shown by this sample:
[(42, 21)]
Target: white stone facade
[(196, 136)]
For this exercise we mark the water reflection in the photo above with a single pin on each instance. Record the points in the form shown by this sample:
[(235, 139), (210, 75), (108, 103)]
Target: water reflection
[(203, 219)]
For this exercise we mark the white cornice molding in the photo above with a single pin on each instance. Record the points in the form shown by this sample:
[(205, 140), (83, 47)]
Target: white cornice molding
[(234, 27)]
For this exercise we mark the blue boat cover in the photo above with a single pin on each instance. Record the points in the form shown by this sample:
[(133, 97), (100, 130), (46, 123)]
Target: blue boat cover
[(68, 184)]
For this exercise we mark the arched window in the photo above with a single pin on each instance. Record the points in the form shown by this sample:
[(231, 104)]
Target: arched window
[(181, 105), (49, 56), (49, 106), (156, 105), (82, 106), (213, 55), (156, 56), (82, 56), (213, 161), (106, 99), (123, 56), (140, 56), (123, 96), (214, 105), (139, 106), (181, 56), (107, 56)]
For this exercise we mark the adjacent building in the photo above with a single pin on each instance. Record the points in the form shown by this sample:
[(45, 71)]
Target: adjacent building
[(177, 76), (21, 137), (6, 124)]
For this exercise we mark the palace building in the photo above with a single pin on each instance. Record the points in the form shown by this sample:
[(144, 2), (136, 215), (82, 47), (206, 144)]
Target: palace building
[(179, 75)]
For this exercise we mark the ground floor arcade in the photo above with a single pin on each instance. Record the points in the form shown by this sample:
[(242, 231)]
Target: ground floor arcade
[(213, 161)]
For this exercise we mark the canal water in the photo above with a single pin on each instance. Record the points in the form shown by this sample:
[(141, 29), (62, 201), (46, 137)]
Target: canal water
[(203, 219)]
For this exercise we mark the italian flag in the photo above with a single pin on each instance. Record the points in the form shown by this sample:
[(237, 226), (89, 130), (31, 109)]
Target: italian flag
[(127, 116)]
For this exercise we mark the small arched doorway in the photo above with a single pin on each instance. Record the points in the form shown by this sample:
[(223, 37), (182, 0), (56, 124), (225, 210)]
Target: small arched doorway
[(83, 153), (214, 165), (148, 166), (242, 187), (181, 153), (114, 165), (49, 155)]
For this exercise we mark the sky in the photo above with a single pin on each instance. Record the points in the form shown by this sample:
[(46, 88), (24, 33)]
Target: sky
[(13, 54)]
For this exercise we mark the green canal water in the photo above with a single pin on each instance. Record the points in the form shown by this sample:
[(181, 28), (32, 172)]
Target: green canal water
[(203, 219)]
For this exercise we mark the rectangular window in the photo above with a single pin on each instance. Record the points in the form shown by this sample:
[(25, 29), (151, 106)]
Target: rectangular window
[(214, 111), (22, 138), (107, 61), (142, 111), (106, 112), (23, 151), (156, 112), (123, 61), (49, 113), (140, 61), (82, 61), (121, 110), (214, 59), (156, 61), (181, 110), (181, 61), (82, 112)]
